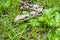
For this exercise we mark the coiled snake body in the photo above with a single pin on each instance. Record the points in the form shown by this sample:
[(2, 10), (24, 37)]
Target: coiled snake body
[(36, 11)]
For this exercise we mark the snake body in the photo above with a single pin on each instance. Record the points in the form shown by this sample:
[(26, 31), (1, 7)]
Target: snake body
[(36, 11)]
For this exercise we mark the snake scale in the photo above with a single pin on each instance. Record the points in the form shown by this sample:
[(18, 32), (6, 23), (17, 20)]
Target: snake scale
[(37, 10)]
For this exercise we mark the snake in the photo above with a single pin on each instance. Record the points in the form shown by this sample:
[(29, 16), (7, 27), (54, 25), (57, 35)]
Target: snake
[(37, 10)]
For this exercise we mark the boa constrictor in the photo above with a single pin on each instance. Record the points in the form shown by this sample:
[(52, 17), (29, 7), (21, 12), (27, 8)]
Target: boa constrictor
[(37, 10)]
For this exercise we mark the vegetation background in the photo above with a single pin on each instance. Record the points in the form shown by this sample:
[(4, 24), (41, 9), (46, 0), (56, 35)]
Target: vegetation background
[(43, 27)]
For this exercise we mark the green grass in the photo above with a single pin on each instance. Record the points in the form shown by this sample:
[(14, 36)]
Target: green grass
[(43, 27)]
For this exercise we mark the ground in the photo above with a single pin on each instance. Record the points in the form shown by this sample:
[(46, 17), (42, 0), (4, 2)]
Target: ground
[(43, 27)]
